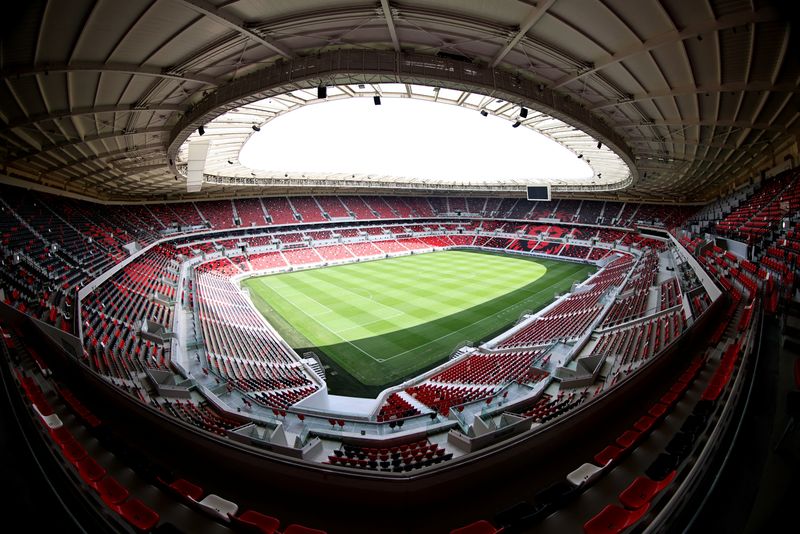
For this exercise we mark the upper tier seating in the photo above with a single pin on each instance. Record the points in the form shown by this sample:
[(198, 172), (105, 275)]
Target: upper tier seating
[(279, 210), (250, 211), (400, 207), (567, 210), (379, 206), (590, 212), (187, 213), (420, 206), (218, 212), (333, 207), (359, 208), (308, 209)]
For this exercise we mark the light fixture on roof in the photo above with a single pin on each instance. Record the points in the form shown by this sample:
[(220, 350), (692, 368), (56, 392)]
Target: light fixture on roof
[(599, 145), (361, 86), (484, 113), (516, 124), (376, 100), (256, 128), (201, 130), (230, 162), (322, 92), (523, 112), (580, 156)]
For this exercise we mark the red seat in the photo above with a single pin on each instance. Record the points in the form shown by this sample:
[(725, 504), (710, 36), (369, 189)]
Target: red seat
[(73, 450), (644, 424), (111, 491), (642, 490), (613, 519), (185, 488), (137, 514), (253, 521), (628, 439), (679, 387), (609, 454), (89, 470), (657, 410), (670, 398), (300, 529), (478, 527)]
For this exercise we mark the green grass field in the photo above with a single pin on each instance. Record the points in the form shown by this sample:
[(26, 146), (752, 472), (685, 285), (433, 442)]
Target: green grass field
[(380, 322)]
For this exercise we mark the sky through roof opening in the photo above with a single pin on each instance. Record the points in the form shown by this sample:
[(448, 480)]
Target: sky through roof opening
[(408, 138)]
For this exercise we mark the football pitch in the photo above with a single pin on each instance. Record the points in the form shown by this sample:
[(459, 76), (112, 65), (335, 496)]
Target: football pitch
[(376, 323)]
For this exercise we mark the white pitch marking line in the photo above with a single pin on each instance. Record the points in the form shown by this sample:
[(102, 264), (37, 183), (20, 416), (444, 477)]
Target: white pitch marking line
[(325, 326)]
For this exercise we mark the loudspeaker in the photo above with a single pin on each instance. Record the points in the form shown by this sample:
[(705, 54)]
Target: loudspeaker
[(377, 100), (523, 112), (322, 92)]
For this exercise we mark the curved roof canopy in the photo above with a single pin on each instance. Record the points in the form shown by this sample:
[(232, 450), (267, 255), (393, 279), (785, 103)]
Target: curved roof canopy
[(98, 96)]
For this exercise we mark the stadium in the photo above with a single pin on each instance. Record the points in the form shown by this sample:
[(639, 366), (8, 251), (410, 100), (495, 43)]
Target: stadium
[(399, 266)]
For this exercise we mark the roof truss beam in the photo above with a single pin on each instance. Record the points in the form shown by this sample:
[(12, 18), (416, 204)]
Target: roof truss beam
[(236, 24), (727, 21), (64, 113), (89, 139), (703, 122), (123, 68), (387, 14), (532, 18), (701, 89)]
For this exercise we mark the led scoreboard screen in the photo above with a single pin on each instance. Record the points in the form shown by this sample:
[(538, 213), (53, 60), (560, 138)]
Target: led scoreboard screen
[(538, 192)]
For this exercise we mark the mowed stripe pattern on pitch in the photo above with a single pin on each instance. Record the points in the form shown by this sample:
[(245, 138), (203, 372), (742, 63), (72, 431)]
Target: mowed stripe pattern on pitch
[(383, 320)]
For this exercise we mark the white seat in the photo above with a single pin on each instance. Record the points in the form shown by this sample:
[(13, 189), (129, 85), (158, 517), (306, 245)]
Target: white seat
[(585, 474), (217, 506), (52, 421)]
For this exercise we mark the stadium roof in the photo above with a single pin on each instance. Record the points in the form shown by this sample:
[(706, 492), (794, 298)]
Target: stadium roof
[(99, 97)]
